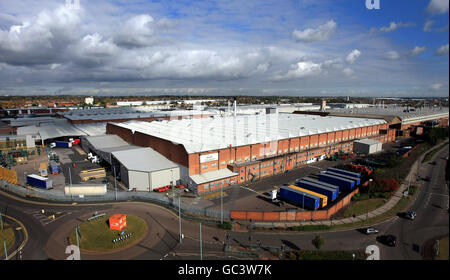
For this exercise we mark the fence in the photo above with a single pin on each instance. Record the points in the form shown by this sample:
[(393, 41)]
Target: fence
[(187, 211), (292, 215)]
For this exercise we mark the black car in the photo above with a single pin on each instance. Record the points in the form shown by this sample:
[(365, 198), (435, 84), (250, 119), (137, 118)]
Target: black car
[(389, 240)]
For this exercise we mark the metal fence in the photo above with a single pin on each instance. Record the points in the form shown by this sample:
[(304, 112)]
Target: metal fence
[(188, 211)]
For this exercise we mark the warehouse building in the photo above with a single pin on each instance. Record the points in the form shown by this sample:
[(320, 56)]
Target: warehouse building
[(145, 169), (138, 168), (402, 121), (367, 146), (222, 151)]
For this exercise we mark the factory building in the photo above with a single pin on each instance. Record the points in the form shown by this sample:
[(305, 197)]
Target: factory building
[(217, 152), (138, 168), (146, 170), (402, 121)]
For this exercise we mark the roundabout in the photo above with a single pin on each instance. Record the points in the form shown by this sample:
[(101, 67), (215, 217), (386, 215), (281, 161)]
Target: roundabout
[(98, 236)]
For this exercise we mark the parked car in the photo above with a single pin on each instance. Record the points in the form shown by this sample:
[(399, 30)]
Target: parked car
[(370, 230), (389, 240), (410, 215)]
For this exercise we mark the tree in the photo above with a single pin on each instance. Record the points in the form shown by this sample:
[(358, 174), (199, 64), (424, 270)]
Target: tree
[(318, 241)]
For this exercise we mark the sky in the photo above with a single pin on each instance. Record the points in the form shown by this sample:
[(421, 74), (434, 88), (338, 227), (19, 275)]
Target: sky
[(232, 47)]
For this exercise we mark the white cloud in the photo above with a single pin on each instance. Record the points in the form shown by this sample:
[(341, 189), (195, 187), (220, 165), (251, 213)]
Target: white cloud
[(353, 56), (417, 50), (442, 50), (437, 7), (137, 31), (392, 26), (300, 70), (427, 25), (348, 72), (321, 33), (391, 55), (436, 86), (333, 63)]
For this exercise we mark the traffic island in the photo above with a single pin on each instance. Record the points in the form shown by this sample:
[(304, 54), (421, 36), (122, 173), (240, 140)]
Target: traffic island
[(7, 234), (109, 233)]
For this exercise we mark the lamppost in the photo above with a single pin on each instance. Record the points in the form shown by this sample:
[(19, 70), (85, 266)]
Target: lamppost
[(179, 216), (201, 252)]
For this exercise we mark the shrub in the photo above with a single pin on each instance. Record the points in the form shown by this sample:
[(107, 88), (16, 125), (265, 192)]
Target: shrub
[(318, 241), (225, 225)]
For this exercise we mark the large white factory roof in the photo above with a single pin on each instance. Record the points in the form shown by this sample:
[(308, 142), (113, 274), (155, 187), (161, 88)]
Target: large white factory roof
[(413, 115), (105, 114), (143, 159), (208, 134)]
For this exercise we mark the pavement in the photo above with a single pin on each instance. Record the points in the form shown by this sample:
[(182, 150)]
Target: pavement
[(391, 203)]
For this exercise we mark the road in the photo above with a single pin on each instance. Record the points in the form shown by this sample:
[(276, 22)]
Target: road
[(48, 238), (432, 220)]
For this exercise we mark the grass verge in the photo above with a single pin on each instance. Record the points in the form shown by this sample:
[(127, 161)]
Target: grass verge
[(8, 234), (443, 249), (97, 237), (325, 255), (399, 207), (309, 228), (361, 207)]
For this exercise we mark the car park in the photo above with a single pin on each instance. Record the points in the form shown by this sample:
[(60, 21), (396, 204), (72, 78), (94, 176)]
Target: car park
[(389, 240)]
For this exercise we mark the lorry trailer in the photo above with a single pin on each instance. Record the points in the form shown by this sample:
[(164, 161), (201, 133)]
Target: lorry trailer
[(300, 198), (323, 198), (344, 184), (54, 168), (309, 179), (63, 144), (40, 182), (356, 179), (330, 193), (344, 172)]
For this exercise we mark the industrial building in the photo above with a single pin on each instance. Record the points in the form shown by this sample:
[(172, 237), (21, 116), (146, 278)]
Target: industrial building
[(367, 146), (146, 170), (402, 121), (122, 114), (217, 152), (139, 168)]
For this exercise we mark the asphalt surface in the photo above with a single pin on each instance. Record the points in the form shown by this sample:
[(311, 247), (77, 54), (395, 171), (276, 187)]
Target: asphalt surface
[(48, 238)]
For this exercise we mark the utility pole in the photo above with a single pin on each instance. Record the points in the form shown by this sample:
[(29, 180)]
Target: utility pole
[(221, 204), (201, 252), (179, 216), (6, 251), (115, 181), (78, 243), (171, 184), (70, 187)]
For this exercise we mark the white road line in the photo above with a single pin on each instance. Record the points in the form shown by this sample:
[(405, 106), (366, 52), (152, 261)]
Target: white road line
[(249, 189)]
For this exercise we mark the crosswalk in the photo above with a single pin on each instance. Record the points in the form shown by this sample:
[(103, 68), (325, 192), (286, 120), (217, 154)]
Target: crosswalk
[(43, 218)]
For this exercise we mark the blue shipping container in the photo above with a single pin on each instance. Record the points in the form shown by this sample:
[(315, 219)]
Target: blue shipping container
[(329, 192), (38, 181), (344, 184), (309, 179), (345, 172), (356, 179), (298, 197), (63, 144)]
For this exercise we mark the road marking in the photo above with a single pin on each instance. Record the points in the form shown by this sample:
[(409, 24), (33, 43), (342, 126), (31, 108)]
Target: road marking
[(374, 253), (249, 189)]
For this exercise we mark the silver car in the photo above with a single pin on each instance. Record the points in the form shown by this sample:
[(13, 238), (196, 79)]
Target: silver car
[(370, 230)]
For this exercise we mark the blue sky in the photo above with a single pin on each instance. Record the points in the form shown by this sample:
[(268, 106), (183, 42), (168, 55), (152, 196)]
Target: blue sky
[(311, 47)]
